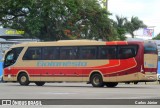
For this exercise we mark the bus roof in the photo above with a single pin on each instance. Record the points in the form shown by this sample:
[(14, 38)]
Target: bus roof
[(75, 43)]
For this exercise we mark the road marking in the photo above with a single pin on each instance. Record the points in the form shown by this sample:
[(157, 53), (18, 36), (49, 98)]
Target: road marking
[(58, 93)]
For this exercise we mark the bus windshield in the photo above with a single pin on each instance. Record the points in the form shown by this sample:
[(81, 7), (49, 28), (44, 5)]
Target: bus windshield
[(12, 56)]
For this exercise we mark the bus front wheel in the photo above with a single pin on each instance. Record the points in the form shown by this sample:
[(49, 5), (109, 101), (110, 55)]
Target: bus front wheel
[(135, 83), (23, 79), (96, 80), (39, 83), (111, 84)]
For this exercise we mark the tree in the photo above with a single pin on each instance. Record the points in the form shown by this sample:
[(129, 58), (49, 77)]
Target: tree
[(157, 37), (57, 19), (134, 25), (119, 25)]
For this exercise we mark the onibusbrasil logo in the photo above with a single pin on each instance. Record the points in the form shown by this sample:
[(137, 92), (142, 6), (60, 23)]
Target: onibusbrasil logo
[(21, 102)]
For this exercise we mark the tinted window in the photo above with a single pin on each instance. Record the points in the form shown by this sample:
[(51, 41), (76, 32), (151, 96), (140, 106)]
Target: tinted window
[(125, 52), (33, 53), (158, 58), (88, 52), (50, 53), (107, 52), (68, 53), (11, 56), (17, 51), (150, 47)]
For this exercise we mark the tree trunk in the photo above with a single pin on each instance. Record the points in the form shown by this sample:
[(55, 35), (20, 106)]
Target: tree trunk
[(132, 35)]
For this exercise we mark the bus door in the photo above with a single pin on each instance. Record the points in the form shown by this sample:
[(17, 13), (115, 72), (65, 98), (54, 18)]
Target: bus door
[(150, 58)]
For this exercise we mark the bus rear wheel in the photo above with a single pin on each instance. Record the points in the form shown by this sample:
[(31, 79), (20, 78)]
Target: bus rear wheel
[(39, 83), (23, 79), (96, 80), (111, 84)]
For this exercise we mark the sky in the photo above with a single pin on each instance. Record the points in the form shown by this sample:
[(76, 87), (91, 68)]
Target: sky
[(146, 10)]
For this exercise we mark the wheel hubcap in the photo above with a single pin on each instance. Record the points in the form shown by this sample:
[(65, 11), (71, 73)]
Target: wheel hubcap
[(23, 79), (96, 80)]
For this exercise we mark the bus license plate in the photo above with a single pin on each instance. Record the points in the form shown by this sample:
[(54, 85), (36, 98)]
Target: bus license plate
[(9, 76)]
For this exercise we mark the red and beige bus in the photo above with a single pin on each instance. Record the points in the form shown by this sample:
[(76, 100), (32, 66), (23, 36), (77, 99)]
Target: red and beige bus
[(96, 62)]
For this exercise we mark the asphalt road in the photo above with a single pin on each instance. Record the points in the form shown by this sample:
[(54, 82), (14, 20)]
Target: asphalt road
[(79, 91)]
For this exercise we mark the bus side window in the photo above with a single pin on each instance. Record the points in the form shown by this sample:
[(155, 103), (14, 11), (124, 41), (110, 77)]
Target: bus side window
[(63, 55), (127, 52), (27, 55), (32, 53), (36, 56), (88, 52), (107, 52), (69, 53), (111, 53), (50, 53)]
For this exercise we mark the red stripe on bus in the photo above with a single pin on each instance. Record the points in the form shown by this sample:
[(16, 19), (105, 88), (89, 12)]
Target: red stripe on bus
[(150, 69)]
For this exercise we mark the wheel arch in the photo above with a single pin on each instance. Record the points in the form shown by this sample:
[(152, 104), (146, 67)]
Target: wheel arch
[(95, 72), (22, 71)]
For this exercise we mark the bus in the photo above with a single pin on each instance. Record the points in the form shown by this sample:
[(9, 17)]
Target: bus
[(98, 63), (158, 71)]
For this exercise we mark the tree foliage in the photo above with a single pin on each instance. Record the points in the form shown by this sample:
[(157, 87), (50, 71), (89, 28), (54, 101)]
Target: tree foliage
[(65, 19), (134, 25), (157, 37), (57, 19), (119, 25), (122, 26)]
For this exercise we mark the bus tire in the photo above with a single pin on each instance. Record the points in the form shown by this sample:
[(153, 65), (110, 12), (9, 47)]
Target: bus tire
[(96, 80), (39, 83), (23, 79), (111, 84), (127, 82), (2, 80), (135, 83)]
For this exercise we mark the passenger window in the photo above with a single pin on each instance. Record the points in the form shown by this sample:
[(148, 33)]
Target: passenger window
[(127, 52), (32, 53), (18, 51), (107, 52), (50, 53), (88, 52), (70, 53)]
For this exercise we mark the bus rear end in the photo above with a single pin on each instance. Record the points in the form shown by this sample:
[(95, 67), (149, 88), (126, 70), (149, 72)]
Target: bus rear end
[(150, 61), (158, 71)]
